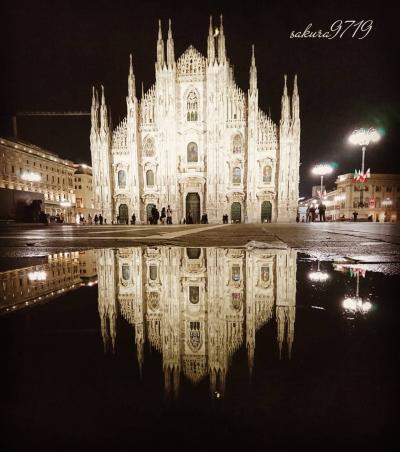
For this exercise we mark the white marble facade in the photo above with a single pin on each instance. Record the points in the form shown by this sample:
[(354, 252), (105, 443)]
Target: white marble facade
[(196, 141)]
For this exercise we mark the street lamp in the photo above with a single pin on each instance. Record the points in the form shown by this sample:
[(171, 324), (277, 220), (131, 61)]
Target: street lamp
[(354, 305), (318, 276), (363, 137), (322, 170)]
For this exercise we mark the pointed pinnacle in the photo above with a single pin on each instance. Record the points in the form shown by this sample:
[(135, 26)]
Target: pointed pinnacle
[(285, 86), (130, 64), (169, 29), (253, 58), (103, 99), (210, 30), (159, 29), (295, 90)]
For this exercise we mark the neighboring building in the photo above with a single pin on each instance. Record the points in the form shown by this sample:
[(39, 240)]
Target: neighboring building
[(197, 306), (381, 198), (83, 189), (30, 168), (197, 142)]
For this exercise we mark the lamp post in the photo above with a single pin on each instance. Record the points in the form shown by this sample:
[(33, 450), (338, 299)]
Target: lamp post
[(354, 305), (363, 137), (322, 170)]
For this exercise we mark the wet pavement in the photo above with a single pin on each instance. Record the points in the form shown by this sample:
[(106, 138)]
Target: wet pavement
[(273, 341)]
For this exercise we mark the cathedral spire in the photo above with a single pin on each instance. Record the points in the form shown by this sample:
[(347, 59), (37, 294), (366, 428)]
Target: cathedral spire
[(295, 101), (94, 111), (285, 111), (221, 43), (170, 47), (211, 44), (253, 72), (131, 80), (104, 121), (160, 47)]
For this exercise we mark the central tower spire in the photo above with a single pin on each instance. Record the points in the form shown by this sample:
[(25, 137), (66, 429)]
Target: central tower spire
[(170, 47), (160, 47), (253, 72), (221, 43), (210, 44)]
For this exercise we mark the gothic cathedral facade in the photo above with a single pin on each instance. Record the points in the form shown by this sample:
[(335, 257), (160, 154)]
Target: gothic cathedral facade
[(197, 143)]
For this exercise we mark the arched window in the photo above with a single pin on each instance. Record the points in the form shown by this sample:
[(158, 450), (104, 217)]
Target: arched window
[(237, 144), (125, 272), (194, 294), (235, 273), (236, 175), (150, 178), (148, 147), (192, 106), (153, 272), (121, 179), (267, 173), (193, 253), (192, 153)]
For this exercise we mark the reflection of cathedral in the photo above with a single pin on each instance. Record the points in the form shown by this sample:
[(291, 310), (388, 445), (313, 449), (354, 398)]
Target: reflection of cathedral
[(197, 306), (197, 142)]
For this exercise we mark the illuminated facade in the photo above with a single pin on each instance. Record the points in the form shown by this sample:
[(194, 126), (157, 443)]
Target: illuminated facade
[(197, 306), (197, 142), (30, 168)]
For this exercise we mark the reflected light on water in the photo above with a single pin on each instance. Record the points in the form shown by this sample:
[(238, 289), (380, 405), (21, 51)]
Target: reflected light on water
[(356, 305), (318, 276)]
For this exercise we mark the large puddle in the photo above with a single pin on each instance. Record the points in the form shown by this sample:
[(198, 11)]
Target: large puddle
[(196, 347)]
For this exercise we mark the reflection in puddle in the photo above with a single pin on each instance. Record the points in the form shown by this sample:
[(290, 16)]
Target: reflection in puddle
[(215, 317), (197, 306), (41, 283)]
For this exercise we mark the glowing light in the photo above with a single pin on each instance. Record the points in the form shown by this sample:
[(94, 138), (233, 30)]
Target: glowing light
[(318, 276), (354, 305), (37, 276), (216, 33), (30, 177), (387, 202), (322, 170), (362, 137)]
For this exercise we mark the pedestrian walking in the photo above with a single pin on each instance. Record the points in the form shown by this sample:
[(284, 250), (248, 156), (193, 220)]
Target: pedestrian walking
[(133, 221), (96, 219), (322, 210), (101, 219), (312, 212), (163, 215), (169, 215), (189, 218), (355, 215)]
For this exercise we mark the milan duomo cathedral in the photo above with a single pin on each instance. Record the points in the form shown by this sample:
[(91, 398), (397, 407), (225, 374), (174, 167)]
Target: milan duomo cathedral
[(197, 306), (196, 142)]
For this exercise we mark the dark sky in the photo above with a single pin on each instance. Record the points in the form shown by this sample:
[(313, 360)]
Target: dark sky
[(53, 52)]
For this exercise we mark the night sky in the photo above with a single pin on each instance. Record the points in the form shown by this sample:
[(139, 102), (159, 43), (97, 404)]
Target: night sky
[(53, 52)]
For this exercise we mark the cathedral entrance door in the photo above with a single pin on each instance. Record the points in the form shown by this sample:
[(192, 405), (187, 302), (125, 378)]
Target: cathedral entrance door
[(193, 206), (266, 212), (236, 212), (123, 213), (148, 212)]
